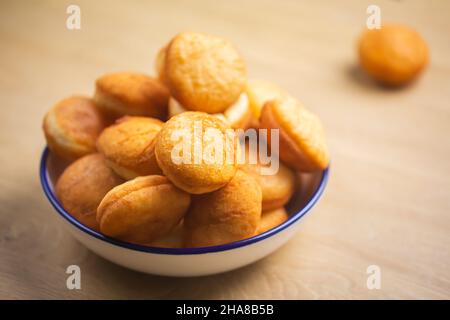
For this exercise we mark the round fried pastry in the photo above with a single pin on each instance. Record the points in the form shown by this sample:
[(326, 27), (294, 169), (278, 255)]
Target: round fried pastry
[(174, 239), (261, 91), (185, 150), (129, 146), (142, 210), (128, 93), (302, 143), (226, 215), (72, 126), (271, 219), (82, 186), (238, 115), (204, 72), (277, 187)]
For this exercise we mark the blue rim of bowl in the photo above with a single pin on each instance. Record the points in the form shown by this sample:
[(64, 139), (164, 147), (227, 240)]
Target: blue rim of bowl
[(174, 251)]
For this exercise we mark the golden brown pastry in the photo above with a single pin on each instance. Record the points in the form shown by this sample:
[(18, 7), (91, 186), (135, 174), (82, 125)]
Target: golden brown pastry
[(142, 210), (238, 115), (186, 148), (203, 72), (72, 126), (226, 215), (129, 146), (302, 143), (174, 239), (82, 186), (261, 91), (128, 93), (276, 188), (271, 219), (393, 55), (56, 166)]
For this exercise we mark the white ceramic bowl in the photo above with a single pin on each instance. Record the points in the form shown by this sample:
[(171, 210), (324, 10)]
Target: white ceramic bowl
[(186, 262)]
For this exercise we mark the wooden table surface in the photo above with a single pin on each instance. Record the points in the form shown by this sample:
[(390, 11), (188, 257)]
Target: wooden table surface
[(388, 198)]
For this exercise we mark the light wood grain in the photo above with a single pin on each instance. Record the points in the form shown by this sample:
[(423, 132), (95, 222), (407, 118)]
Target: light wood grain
[(388, 199)]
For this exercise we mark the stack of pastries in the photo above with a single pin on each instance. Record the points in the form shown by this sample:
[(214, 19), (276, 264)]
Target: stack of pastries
[(121, 179)]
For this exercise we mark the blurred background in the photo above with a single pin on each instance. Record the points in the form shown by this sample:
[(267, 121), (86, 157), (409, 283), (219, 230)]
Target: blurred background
[(388, 198)]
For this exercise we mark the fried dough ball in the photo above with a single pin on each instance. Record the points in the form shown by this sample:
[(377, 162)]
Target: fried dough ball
[(238, 115), (82, 186), (72, 126), (197, 152), (174, 239), (261, 91), (129, 146), (128, 93), (203, 72), (277, 187), (393, 55), (302, 143), (271, 219), (142, 210), (226, 215)]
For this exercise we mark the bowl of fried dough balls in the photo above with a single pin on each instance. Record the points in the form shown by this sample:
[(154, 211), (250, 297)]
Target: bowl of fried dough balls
[(194, 171)]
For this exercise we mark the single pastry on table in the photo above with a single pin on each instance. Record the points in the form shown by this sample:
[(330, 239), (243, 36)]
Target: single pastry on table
[(197, 152), (203, 72), (128, 93), (271, 219), (259, 92), (276, 187), (82, 186), (227, 215), (142, 210), (302, 144), (72, 126), (393, 55), (238, 115), (129, 146)]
